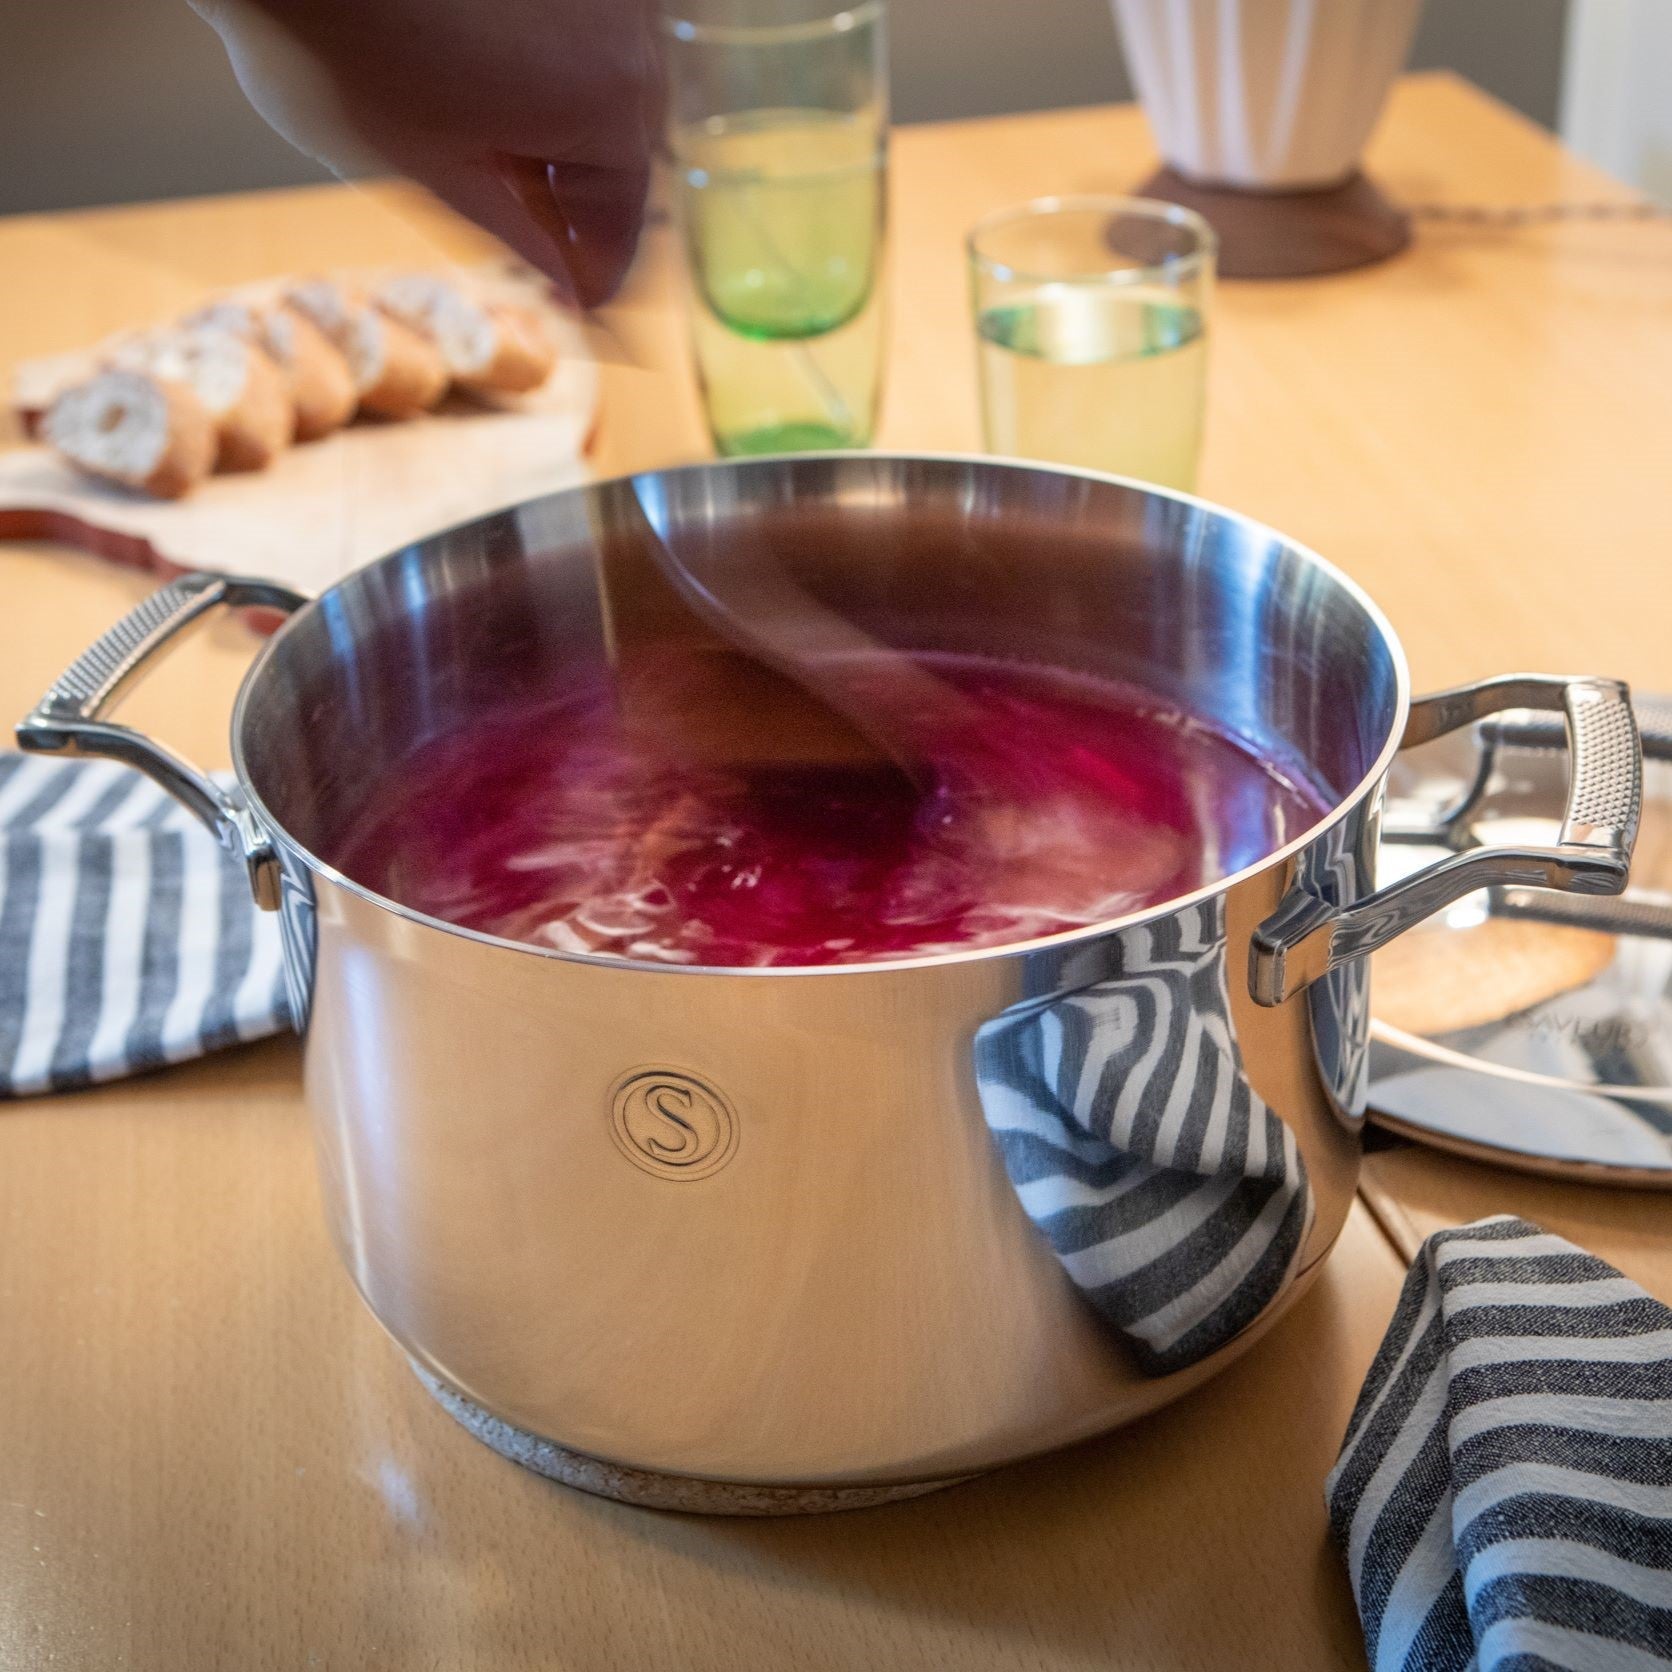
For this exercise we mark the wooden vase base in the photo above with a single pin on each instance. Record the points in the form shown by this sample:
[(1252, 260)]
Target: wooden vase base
[(1291, 235)]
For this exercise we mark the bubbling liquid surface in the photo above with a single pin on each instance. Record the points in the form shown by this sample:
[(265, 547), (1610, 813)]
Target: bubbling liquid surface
[(1072, 800)]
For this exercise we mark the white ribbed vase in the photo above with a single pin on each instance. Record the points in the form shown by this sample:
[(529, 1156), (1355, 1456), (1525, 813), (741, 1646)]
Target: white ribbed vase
[(1274, 94)]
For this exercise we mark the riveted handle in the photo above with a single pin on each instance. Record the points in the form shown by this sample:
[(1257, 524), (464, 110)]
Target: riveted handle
[(67, 720), (1306, 937)]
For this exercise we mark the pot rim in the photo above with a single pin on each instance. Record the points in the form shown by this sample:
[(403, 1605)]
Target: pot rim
[(1063, 941)]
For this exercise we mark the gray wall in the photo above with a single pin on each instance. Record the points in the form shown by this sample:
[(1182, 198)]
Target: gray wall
[(107, 101), (1027, 54)]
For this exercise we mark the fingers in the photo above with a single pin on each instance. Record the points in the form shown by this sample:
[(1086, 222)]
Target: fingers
[(482, 193), (592, 215), (578, 225)]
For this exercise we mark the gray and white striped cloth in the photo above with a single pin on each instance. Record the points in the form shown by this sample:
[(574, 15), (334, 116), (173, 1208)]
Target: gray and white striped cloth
[(128, 939), (1174, 1198), (1504, 1494)]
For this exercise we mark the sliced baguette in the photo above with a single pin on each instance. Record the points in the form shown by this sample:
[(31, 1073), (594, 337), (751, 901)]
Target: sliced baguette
[(236, 381), (135, 428), (316, 373), (397, 372), (490, 348)]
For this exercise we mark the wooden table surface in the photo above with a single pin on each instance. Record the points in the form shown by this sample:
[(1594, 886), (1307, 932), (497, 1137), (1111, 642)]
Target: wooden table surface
[(209, 1455)]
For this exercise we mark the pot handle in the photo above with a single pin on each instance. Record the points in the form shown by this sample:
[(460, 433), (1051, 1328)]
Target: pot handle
[(66, 721), (1306, 938)]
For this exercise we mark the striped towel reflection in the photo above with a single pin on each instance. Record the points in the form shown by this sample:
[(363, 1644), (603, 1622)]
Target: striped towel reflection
[(1504, 1495), (1173, 1197), (128, 939)]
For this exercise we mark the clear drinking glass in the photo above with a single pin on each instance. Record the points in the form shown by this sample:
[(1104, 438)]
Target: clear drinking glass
[(779, 133), (1091, 322)]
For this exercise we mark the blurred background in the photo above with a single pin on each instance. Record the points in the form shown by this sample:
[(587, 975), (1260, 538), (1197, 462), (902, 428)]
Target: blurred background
[(105, 101)]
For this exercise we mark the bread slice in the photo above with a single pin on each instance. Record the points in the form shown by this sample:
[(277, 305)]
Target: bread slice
[(315, 371), (236, 381), (489, 347), (136, 428), (397, 372)]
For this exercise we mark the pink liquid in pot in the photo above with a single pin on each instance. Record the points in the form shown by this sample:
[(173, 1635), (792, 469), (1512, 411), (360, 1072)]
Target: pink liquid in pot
[(1071, 801)]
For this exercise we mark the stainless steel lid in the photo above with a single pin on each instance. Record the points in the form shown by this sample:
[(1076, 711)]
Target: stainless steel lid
[(1531, 1030)]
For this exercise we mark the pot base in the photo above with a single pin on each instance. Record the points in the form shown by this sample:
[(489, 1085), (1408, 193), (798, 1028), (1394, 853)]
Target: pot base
[(1291, 234), (650, 1489)]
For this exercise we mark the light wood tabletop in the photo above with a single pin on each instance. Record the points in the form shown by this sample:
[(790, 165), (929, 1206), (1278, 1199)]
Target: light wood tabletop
[(210, 1457)]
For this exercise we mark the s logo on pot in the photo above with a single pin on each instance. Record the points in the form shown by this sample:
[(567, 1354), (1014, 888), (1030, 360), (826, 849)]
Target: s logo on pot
[(672, 1124)]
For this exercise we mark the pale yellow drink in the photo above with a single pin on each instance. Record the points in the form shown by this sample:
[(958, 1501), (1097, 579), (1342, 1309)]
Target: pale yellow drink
[(1103, 378), (1091, 319)]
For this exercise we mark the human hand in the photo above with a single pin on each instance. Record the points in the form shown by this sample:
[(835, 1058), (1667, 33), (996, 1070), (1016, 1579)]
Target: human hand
[(534, 118)]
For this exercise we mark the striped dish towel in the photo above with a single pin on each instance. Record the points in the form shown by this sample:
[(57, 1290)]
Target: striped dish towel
[(1504, 1494), (128, 939), (1172, 1196)]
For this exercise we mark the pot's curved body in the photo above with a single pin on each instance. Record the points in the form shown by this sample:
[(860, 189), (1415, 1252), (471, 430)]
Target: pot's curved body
[(860, 1226), (855, 1295)]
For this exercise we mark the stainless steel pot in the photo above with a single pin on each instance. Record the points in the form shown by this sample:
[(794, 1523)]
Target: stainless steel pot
[(843, 1231)]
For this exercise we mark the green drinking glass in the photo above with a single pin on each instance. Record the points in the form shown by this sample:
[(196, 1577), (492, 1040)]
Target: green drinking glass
[(779, 136)]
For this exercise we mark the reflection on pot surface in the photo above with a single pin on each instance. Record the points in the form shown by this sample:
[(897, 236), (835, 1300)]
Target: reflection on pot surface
[(1175, 1198)]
